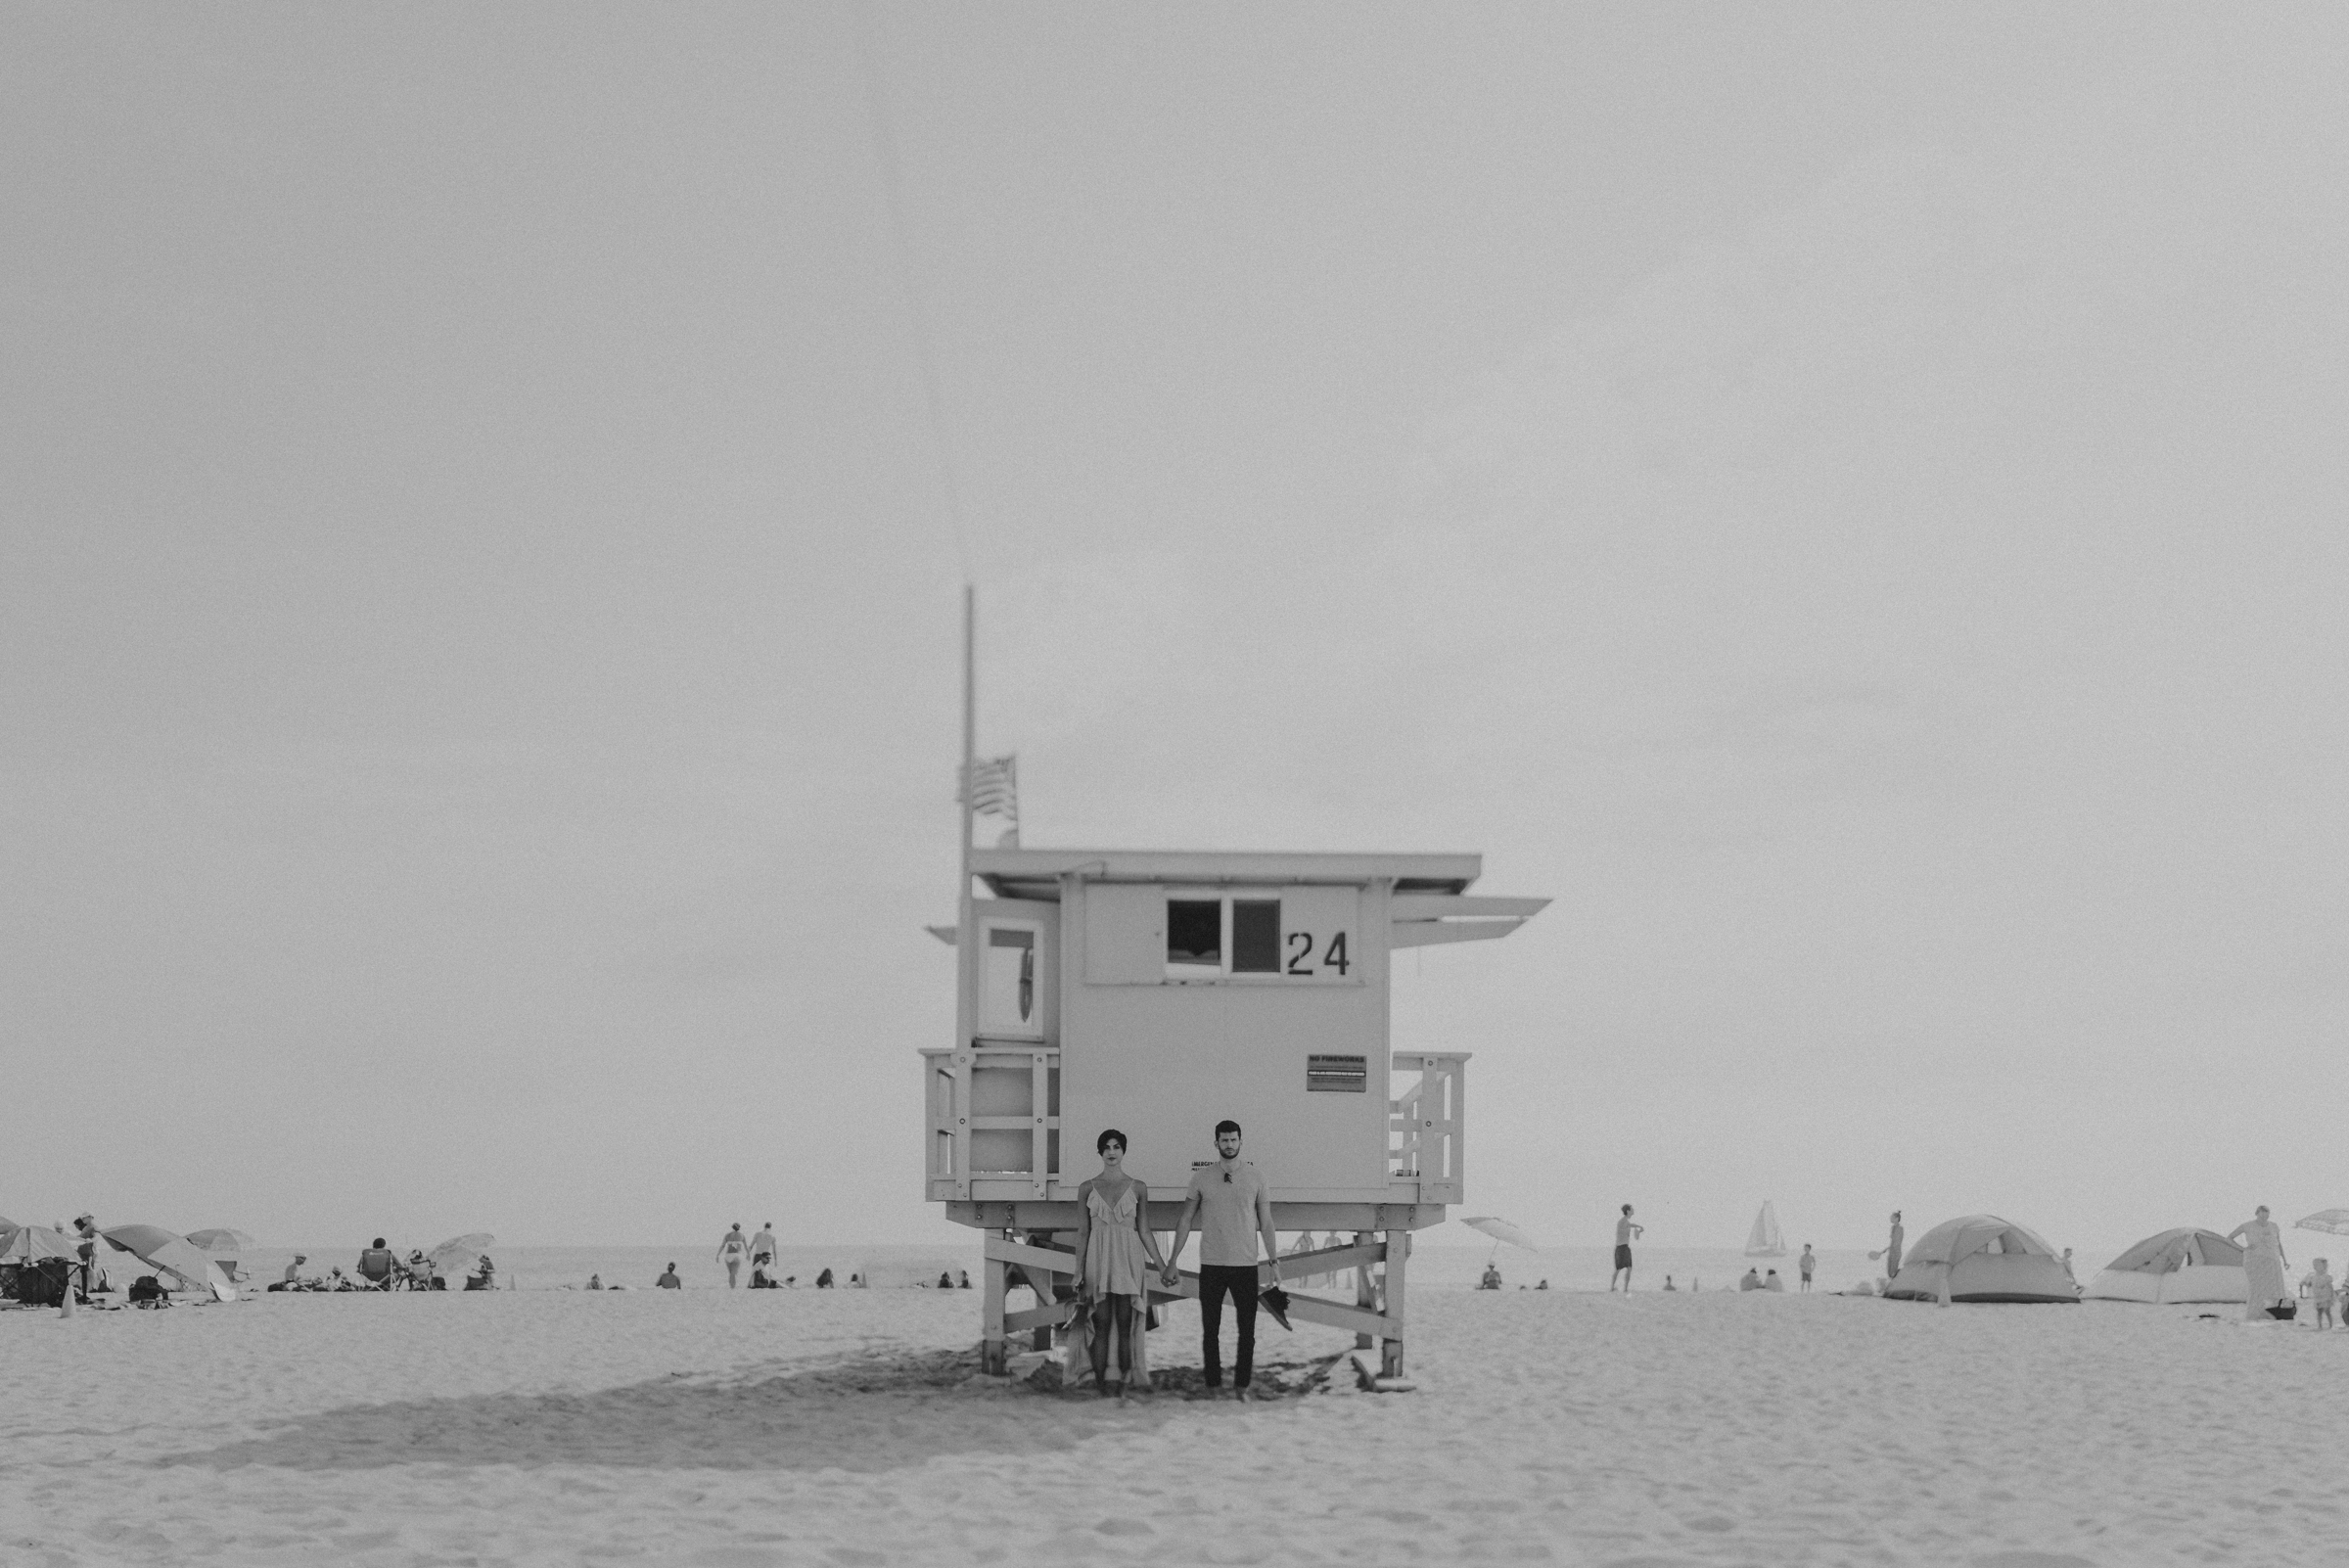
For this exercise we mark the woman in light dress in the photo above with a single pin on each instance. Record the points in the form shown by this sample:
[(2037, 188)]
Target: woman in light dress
[(2263, 1264), (1114, 1246)]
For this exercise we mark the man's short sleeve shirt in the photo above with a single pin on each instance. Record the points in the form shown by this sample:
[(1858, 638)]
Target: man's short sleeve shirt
[(1227, 1229)]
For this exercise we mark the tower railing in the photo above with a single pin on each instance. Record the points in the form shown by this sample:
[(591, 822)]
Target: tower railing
[(994, 1123), (1426, 1123)]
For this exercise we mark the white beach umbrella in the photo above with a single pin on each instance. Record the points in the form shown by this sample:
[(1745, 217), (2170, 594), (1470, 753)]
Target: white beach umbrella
[(31, 1243), (221, 1241), (2332, 1222), (459, 1250), (1500, 1231), (174, 1254)]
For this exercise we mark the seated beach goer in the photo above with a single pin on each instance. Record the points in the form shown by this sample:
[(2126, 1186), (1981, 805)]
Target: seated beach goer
[(1751, 1282), (1667, 1284), (148, 1291), (292, 1272), (376, 1265), (595, 1281), (1491, 1279), (1771, 1282), (823, 1281), (669, 1279), (1544, 1285), (1113, 1244), (483, 1278), (963, 1280), (945, 1280), (763, 1271)]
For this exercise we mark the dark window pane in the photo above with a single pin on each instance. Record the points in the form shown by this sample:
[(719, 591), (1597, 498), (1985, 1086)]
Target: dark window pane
[(1256, 936), (1194, 931)]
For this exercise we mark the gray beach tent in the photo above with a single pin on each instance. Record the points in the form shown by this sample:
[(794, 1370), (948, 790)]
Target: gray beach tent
[(1982, 1258), (2177, 1266)]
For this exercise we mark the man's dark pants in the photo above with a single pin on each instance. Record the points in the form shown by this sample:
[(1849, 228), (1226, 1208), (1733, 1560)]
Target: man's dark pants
[(1240, 1280)]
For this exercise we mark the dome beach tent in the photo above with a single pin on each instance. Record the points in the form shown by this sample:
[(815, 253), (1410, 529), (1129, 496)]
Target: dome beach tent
[(2176, 1266), (1982, 1258)]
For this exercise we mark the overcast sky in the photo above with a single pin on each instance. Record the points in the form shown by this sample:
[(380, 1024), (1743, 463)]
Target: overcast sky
[(1846, 500)]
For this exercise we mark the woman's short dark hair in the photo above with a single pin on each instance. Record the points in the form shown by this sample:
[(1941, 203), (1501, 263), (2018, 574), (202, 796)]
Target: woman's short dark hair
[(1109, 1136)]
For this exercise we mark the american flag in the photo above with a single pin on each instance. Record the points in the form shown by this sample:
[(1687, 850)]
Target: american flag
[(995, 787)]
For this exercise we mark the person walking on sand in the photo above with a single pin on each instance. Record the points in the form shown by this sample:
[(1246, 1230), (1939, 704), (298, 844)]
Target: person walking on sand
[(1806, 1263), (732, 1250), (2263, 1265), (1113, 1243), (1625, 1233), (764, 1243), (1232, 1207), (1892, 1249)]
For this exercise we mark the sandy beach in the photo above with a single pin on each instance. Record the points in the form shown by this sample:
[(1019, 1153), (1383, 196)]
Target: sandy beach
[(796, 1428)]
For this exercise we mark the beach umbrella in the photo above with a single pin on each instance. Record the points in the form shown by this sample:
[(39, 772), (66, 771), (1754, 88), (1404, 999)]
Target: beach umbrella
[(458, 1250), (231, 1243), (31, 1243), (2332, 1222), (1500, 1231), (176, 1256)]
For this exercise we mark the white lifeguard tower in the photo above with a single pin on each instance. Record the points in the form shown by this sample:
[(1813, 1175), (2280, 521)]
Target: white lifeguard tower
[(1161, 992)]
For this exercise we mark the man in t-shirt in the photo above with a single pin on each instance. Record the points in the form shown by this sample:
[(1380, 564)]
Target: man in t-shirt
[(1232, 1207), (1809, 1263)]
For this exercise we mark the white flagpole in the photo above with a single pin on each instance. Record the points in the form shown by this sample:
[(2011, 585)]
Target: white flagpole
[(966, 943)]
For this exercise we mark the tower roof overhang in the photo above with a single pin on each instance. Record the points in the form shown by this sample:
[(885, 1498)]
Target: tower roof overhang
[(1025, 873)]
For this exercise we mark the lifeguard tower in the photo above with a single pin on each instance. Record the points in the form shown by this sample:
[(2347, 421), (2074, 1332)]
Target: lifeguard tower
[(1161, 991)]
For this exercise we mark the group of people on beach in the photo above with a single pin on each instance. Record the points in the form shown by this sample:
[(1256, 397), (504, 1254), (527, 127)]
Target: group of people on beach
[(379, 1267), (734, 1248)]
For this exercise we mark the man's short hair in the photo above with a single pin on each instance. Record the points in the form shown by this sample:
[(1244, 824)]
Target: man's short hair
[(1626, 1208), (1110, 1136), (1227, 1125)]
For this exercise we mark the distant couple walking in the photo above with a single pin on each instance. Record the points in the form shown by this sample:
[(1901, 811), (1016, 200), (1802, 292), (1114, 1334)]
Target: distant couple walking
[(1231, 1207)]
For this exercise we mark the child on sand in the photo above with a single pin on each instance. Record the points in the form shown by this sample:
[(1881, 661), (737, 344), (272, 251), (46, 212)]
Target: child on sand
[(1809, 1263), (2318, 1285)]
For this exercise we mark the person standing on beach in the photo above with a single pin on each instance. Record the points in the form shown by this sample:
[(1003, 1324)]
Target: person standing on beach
[(1807, 1263), (85, 1233), (1625, 1232), (732, 1249), (1892, 1249), (2263, 1265), (1232, 1207), (1113, 1244), (764, 1242)]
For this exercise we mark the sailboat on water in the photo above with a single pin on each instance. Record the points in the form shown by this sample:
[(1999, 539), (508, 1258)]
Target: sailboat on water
[(1765, 1241)]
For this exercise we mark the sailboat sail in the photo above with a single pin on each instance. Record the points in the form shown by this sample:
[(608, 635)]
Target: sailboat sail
[(1765, 1242)]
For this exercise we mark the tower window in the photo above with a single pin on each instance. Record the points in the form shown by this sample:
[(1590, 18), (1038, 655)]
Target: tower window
[(1256, 936), (1195, 932)]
